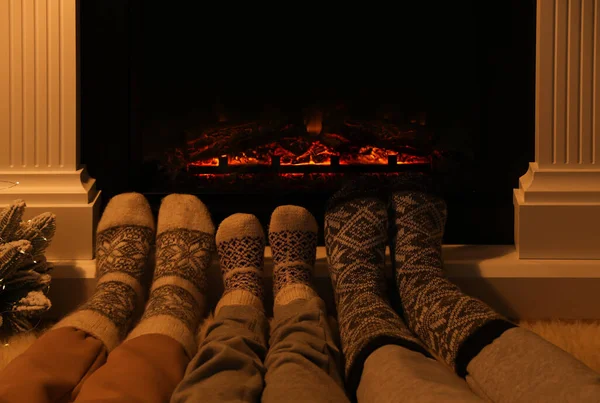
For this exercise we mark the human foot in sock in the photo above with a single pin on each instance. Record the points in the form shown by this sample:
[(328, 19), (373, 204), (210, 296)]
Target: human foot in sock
[(125, 234), (355, 238), (452, 324), (293, 240), (184, 242), (241, 247)]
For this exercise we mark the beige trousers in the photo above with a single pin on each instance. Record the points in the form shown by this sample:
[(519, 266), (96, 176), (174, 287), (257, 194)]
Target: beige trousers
[(67, 364)]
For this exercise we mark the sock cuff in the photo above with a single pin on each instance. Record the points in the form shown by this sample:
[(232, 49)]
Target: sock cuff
[(95, 324), (169, 326), (476, 342), (239, 297), (293, 292)]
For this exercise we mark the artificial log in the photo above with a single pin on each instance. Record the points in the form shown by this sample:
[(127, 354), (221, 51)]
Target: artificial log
[(257, 141)]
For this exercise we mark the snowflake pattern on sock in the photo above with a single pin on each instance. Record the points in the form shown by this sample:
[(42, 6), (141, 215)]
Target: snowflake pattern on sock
[(435, 309), (184, 253), (355, 238), (123, 249), (294, 255)]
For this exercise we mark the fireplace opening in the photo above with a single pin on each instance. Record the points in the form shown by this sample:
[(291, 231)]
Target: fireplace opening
[(249, 112)]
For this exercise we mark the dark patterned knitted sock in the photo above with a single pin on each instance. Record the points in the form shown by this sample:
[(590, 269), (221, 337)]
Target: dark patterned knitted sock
[(241, 247), (452, 324), (293, 240), (184, 242), (356, 238), (125, 234)]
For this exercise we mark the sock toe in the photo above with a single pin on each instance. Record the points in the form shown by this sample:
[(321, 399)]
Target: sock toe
[(239, 225), (127, 209), (183, 211), (292, 218)]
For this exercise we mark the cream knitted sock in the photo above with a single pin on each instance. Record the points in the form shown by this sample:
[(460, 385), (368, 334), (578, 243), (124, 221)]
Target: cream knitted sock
[(125, 234), (241, 247), (293, 240), (185, 239)]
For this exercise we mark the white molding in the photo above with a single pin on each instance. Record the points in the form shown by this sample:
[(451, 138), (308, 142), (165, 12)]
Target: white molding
[(39, 133), (38, 86), (557, 204), (518, 288), (48, 187)]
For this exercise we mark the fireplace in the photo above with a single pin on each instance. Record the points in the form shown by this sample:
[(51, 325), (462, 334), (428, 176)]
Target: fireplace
[(248, 119), (478, 144)]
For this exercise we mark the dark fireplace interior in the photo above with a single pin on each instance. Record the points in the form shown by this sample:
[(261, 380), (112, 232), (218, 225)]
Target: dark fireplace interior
[(250, 109)]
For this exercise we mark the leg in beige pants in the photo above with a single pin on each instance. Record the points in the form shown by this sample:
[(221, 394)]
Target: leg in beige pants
[(68, 364), (300, 366)]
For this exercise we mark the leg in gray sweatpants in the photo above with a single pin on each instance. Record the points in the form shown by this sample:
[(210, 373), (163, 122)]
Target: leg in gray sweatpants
[(228, 366), (520, 366), (394, 373), (300, 366), (303, 362)]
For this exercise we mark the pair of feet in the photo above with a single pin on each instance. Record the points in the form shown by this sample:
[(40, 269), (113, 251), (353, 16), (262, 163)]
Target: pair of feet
[(240, 244), (437, 316)]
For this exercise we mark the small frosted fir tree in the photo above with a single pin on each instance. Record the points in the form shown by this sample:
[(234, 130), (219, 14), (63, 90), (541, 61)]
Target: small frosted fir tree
[(24, 270)]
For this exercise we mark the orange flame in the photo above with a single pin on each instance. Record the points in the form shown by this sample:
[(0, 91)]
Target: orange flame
[(314, 123)]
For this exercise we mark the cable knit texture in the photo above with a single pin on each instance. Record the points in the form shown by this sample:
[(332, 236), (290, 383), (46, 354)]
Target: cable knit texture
[(355, 238)]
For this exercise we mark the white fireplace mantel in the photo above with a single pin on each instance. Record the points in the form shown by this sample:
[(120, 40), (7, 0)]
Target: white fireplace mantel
[(553, 270), (39, 133), (557, 205)]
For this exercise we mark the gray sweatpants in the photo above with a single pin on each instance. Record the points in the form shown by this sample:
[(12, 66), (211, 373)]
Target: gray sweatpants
[(232, 363), (519, 366)]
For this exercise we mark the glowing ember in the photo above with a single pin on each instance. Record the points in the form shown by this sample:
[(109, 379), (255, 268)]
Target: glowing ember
[(314, 142)]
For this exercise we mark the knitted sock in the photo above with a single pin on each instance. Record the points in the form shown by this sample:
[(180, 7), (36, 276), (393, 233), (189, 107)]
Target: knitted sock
[(452, 324), (241, 247), (293, 240), (355, 238), (123, 241), (185, 239)]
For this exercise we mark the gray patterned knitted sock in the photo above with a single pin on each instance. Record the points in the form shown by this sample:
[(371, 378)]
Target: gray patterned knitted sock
[(241, 247), (125, 234), (452, 324), (185, 239), (293, 240), (356, 237)]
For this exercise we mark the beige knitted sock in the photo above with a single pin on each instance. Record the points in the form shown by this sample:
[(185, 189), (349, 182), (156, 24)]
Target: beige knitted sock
[(184, 242), (241, 247), (123, 241), (293, 240)]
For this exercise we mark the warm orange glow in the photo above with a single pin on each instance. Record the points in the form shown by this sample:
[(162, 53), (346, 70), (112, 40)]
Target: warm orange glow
[(314, 123), (273, 143), (319, 154)]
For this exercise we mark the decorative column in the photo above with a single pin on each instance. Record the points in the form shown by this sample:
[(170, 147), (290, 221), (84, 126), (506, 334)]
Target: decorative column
[(557, 205), (39, 133)]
